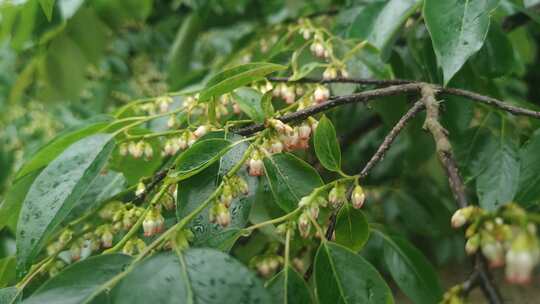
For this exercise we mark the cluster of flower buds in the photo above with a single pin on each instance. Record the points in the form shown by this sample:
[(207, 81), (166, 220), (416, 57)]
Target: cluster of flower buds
[(286, 92), (133, 246), (319, 49), (505, 237), (311, 206), (64, 238), (137, 149), (264, 87), (321, 94), (122, 216), (232, 188), (454, 296), (267, 265), (174, 144), (56, 267), (153, 222), (358, 197), (337, 195), (255, 164), (219, 214), (83, 247), (332, 73), (290, 138), (168, 200), (105, 234)]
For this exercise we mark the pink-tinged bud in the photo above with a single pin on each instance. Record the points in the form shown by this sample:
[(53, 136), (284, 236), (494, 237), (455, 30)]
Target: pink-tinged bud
[(200, 131), (302, 144), (256, 167), (276, 146), (148, 151), (148, 226), (318, 49), (521, 258), (304, 131), (329, 73), (336, 196), (321, 94), (279, 126), (236, 108), (123, 149), (289, 96), (494, 252), (303, 225), (107, 239), (75, 252), (264, 268), (291, 141), (358, 197), (140, 189), (459, 219), (222, 216)]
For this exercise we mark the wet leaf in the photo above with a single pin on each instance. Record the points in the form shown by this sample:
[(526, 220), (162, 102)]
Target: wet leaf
[(55, 192), (352, 229), (327, 145)]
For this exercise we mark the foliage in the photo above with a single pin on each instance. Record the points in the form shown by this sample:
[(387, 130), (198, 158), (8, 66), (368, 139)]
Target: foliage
[(266, 151)]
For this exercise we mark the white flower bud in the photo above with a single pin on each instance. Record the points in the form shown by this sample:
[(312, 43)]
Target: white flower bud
[(330, 73), (123, 149), (304, 225), (256, 167), (321, 94), (201, 131), (304, 131), (107, 239), (358, 197), (494, 252), (148, 151), (276, 146), (344, 73), (459, 218), (140, 189)]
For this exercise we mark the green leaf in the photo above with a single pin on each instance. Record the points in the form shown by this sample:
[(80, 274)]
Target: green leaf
[(341, 277), (327, 145), (290, 179), (104, 187), (498, 184), (8, 294), (249, 101), (47, 6), (51, 150), (352, 229), (411, 270), (7, 271), (529, 180), (196, 189), (55, 192), (200, 276), (458, 29), (79, 282), (288, 287), (236, 77), (199, 156), (11, 206), (496, 57), (379, 22), (234, 283), (158, 279)]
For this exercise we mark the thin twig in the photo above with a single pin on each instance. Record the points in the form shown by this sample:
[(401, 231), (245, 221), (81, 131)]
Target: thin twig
[(446, 157), (392, 135)]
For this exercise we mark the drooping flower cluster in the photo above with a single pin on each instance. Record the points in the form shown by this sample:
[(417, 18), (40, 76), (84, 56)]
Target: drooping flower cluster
[(233, 187), (505, 237)]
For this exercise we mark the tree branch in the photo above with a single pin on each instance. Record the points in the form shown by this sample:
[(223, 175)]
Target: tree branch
[(446, 157), (411, 85), (361, 97)]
